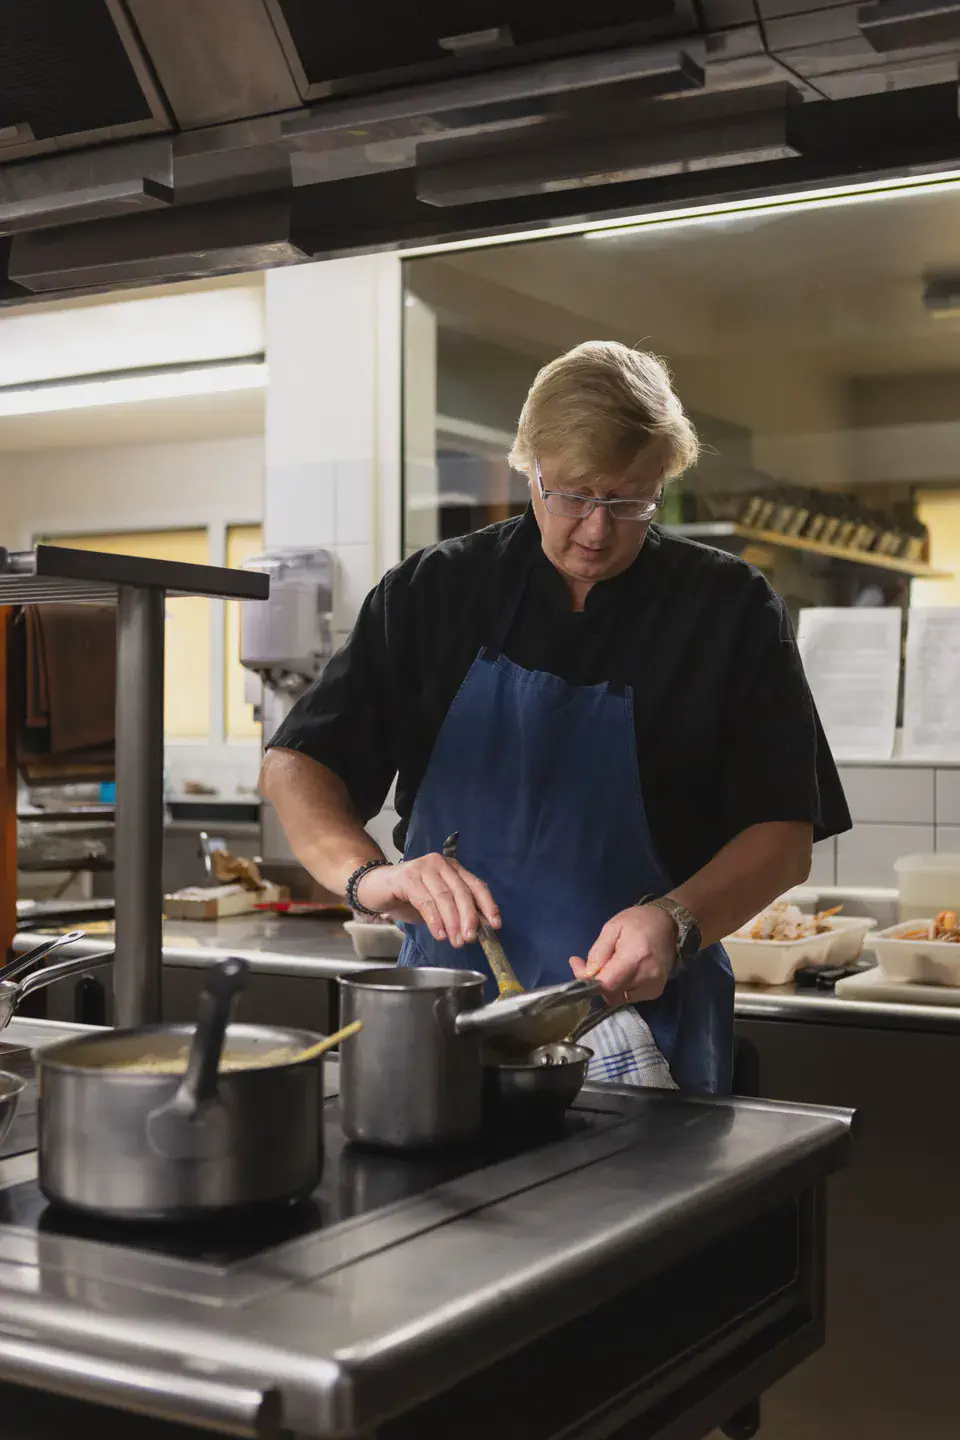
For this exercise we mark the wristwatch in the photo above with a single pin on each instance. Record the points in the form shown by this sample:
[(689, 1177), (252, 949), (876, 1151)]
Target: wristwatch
[(689, 938)]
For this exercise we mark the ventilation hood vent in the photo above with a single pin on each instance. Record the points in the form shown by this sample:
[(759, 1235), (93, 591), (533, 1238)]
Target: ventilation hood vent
[(151, 139)]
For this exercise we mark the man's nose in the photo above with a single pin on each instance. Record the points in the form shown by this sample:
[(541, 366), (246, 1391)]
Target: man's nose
[(597, 526)]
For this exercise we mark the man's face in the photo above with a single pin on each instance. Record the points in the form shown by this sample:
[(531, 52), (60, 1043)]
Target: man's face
[(596, 547)]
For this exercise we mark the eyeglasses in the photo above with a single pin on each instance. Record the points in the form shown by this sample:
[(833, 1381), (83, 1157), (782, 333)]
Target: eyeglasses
[(578, 507)]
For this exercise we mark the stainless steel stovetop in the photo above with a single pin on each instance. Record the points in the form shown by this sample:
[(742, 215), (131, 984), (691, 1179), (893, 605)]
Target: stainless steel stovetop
[(366, 1200)]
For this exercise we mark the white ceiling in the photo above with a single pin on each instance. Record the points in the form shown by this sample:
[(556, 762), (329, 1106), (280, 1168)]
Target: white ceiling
[(841, 285), (219, 332), (192, 417)]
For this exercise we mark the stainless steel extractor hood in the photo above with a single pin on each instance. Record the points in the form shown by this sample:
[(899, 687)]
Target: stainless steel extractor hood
[(133, 133)]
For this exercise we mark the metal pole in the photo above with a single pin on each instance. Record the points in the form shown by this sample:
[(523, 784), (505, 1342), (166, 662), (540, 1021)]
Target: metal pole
[(138, 858)]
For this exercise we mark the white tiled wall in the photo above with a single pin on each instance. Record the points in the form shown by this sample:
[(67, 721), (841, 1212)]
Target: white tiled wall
[(897, 810), (333, 426)]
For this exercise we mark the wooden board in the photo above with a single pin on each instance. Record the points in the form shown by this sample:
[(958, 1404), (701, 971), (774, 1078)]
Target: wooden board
[(219, 902)]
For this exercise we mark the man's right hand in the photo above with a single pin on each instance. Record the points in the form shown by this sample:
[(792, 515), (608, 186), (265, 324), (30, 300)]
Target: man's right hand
[(447, 898)]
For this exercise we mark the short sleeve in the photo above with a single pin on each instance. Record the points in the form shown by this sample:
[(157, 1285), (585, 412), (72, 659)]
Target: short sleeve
[(776, 762), (344, 719)]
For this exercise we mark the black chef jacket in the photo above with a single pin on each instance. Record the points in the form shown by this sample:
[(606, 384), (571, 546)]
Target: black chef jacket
[(727, 732)]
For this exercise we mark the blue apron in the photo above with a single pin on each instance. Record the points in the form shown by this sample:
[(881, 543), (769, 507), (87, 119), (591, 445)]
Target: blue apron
[(540, 778)]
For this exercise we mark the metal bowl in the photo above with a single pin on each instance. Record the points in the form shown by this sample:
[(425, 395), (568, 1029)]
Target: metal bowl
[(537, 1088), (11, 1088)]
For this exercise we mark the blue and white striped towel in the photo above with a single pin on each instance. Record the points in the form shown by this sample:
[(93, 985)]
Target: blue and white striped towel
[(625, 1053)]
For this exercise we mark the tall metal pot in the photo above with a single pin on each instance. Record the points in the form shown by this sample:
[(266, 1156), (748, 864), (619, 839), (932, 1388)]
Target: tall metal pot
[(409, 1079)]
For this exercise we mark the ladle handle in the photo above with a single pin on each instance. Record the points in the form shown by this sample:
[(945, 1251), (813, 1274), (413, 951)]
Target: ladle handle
[(224, 983), (503, 971)]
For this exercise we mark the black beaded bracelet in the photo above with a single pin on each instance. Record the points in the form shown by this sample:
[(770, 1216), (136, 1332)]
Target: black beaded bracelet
[(354, 881)]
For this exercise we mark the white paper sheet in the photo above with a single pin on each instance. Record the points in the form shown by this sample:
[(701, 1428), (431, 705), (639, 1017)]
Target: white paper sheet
[(931, 697), (852, 660)]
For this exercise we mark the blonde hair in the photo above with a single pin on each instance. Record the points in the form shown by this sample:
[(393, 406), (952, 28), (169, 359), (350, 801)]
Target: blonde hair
[(598, 406)]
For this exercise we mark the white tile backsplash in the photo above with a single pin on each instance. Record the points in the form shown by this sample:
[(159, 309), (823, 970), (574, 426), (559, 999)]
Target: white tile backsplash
[(354, 580), (866, 854), (354, 521), (948, 839), (824, 868), (300, 504), (884, 794), (948, 797)]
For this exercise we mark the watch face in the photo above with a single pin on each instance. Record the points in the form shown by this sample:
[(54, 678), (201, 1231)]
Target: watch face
[(689, 941)]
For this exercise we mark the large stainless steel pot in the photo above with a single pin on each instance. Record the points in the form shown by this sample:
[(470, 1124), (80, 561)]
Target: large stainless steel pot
[(413, 1076), (408, 1080), (136, 1145)]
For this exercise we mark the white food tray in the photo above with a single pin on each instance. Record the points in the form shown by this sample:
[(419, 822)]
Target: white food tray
[(848, 932), (775, 962), (375, 939), (934, 962)]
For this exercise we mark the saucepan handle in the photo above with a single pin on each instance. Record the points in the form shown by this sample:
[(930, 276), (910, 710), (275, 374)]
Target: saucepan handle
[(24, 963), (591, 1021), (499, 1013), (78, 966)]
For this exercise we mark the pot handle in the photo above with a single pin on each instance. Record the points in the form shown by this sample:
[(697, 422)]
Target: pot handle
[(23, 963), (591, 1021), (223, 1403), (193, 1124), (78, 966), (499, 1013)]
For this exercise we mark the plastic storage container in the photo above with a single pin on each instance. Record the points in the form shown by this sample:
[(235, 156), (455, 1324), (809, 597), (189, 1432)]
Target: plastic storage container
[(775, 962), (928, 884), (375, 939), (924, 962)]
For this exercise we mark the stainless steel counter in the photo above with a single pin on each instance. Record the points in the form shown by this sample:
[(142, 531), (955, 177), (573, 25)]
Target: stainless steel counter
[(302, 949), (350, 1328), (272, 944)]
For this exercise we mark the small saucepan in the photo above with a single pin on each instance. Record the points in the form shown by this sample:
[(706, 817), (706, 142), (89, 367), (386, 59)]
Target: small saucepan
[(14, 990), (536, 1089)]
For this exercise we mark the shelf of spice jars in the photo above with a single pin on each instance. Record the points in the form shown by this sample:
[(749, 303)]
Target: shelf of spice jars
[(710, 530)]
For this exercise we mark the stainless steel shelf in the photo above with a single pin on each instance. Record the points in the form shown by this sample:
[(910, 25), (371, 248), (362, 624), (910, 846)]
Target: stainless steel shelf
[(75, 865), (50, 574), (139, 589), (90, 819)]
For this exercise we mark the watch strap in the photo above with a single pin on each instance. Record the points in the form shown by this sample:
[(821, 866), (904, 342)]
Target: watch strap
[(684, 920)]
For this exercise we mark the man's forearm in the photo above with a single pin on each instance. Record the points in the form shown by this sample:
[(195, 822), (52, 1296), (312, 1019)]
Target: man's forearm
[(315, 810), (746, 875)]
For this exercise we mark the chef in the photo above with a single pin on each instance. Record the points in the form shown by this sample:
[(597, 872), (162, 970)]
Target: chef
[(614, 719)]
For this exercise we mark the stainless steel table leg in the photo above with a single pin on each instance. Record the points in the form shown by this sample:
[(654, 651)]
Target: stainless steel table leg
[(138, 833)]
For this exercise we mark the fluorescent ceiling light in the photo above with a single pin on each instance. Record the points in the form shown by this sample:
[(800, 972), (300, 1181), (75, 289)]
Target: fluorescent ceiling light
[(131, 389), (718, 211)]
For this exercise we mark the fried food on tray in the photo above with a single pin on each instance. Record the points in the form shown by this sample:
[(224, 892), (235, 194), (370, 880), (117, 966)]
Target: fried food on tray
[(945, 927), (783, 921)]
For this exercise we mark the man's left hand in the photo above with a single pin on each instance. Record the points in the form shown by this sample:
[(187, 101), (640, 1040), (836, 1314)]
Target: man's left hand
[(634, 955)]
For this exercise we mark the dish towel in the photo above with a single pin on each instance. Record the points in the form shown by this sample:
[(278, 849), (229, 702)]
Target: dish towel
[(625, 1053)]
